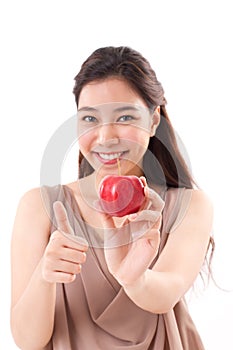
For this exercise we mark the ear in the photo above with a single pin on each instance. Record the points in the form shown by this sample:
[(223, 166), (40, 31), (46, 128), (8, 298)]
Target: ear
[(155, 121)]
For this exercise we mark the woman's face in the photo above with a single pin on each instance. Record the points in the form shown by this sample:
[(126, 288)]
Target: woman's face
[(114, 124)]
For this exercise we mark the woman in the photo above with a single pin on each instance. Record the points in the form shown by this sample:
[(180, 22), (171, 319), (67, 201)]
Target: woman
[(86, 279)]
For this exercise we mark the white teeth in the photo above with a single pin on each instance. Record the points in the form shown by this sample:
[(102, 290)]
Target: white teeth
[(110, 156)]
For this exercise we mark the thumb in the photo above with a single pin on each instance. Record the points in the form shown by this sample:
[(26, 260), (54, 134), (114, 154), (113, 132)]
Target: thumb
[(61, 216)]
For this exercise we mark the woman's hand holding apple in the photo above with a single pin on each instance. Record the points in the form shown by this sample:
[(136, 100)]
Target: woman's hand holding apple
[(127, 262)]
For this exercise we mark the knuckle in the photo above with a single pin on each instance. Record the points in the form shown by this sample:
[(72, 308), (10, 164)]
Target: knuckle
[(52, 250), (50, 255), (55, 235), (69, 278), (76, 268), (47, 275), (83, 257)]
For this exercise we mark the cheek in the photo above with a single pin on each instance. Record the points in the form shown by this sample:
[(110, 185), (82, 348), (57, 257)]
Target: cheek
[(134, 136), (138, 137), (85, 141)]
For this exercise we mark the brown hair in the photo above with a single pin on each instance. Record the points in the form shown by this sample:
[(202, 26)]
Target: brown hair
[(168, 167)]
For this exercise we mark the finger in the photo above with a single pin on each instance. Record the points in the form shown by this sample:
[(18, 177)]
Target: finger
[(73, 255), (59, 277), (145, 215), (149, 234), (62, 218), (155, 199), (143, 179), (106, 219), (73, 242), (110, 230), (68, 267), (81, 243), (154, 239), (139, 229), (152, 195)]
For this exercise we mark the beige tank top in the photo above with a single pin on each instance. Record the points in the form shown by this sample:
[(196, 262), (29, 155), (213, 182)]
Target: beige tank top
[(94, 313)]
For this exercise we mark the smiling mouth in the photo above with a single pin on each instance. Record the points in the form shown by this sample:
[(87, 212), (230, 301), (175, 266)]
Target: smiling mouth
[(110, 156)]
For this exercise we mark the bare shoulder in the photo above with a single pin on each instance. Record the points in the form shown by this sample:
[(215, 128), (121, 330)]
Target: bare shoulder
[(33, 195), (195, 198), (201, 197), (198, 213), (201, 202), (31, 212), (195, 195), (33, 202)]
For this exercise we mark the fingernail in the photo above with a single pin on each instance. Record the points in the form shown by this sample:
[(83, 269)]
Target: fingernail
[(147, 191)]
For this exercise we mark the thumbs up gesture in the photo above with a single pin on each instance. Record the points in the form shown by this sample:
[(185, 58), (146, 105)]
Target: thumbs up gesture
[(65, 253)]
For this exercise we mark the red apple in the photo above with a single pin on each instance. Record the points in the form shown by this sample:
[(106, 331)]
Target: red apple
[(121, 195)]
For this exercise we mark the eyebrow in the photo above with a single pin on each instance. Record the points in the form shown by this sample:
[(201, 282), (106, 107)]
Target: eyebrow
[(87, 109), (118, 109), (126, 108)]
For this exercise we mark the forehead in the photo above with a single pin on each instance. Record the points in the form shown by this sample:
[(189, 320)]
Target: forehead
[(108, 91)]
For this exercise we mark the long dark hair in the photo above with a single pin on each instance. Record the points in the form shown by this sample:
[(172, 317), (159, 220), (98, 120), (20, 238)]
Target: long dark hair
[(163, 162), (169, 167)]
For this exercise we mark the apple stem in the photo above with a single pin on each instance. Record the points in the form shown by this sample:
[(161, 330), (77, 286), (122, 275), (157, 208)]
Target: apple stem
[(119, 166)]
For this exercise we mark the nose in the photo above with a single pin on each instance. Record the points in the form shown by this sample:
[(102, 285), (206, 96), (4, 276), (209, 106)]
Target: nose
[(108, 135)]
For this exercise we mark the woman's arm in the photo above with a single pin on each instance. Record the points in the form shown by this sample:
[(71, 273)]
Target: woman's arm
[(33, 298), (159, 289), (39, 261)]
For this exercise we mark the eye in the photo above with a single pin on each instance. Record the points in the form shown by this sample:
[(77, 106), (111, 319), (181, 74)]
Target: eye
[(89, 119), (126, 118)]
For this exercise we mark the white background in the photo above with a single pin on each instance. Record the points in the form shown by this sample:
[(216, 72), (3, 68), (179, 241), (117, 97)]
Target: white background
[(189, 44)]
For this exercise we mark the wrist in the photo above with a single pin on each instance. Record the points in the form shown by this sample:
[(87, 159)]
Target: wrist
[(137, 285)]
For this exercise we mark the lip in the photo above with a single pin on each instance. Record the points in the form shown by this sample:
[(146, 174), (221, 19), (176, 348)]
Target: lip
[(109, 161)]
